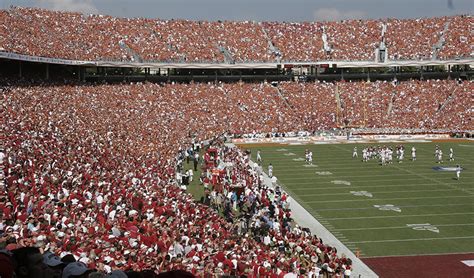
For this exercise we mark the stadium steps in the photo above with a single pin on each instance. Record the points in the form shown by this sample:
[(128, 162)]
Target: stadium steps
[(281, 95), (273, 49), (439, 45), (130, 52), (339, 112), (383, 30), (447, 101), (227, 55)]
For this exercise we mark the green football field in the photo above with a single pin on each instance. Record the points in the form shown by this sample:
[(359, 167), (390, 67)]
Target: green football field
[(404, 208)]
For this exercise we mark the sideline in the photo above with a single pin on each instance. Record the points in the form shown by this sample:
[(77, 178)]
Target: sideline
[(304, 219)]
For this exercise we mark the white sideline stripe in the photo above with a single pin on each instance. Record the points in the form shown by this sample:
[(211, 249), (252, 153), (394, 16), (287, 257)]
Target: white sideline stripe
[(412, 239), (383, 199), (396, 216), (363, 208), (381, 192), (469, 263), (304, 218), (403, 227)]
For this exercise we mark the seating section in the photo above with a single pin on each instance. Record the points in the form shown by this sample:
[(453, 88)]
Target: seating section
[(90, 170), (354, 40), (459, 38), (297, 41), (75, 36), (413, 39)]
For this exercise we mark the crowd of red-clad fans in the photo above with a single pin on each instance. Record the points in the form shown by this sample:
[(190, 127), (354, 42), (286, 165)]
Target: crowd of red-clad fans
[(76, 36), (91, 173)]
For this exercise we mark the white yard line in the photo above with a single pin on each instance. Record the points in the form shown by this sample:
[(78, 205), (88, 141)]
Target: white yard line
[(403, 227), (422, 254), (381, 192), (437, 181), (415, 206), (306, 219), (424, 176), (411, 239), (385, 199), (364, 178), (341, 186), (398, 216)]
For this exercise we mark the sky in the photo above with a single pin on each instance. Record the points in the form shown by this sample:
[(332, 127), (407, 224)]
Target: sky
[(258, 10)]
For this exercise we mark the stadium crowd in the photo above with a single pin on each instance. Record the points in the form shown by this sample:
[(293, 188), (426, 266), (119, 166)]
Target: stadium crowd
[(89, 175), (89, 171), (413, 39), (458, 41), (75, 36), (423, 105)]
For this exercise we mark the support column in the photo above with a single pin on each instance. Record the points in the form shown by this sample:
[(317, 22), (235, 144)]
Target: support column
[(47, 72), (20, 69)]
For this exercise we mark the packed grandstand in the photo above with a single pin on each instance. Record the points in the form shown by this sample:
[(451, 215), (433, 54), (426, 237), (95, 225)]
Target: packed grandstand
[(91, 172), (76, 36)]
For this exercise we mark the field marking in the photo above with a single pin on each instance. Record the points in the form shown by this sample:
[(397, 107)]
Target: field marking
[(361, 180), (428, 167), (438, 205), (469, 263), (384, 199), (462, 158), (381, 192), (292, 163), (395, 171), (411, 239), (396, 216), (423, 176), (422, 254), (402, 227), (363, 186), (437, 181)]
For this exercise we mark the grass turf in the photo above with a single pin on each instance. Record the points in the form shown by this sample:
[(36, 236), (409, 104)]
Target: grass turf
[(423, 195)]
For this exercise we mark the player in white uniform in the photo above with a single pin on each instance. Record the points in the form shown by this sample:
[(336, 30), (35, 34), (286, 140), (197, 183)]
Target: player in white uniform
[(310, 157), (365, 155), (440, 156), (354, 153), (402, 154), (270, 170), (389, 155), (383, 156), (413, 153), (259, 157), (458, 171), (451, 154), (436, 153)]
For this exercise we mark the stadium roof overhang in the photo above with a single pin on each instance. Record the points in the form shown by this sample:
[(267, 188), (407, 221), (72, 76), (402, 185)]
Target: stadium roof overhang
[(338, 64)]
